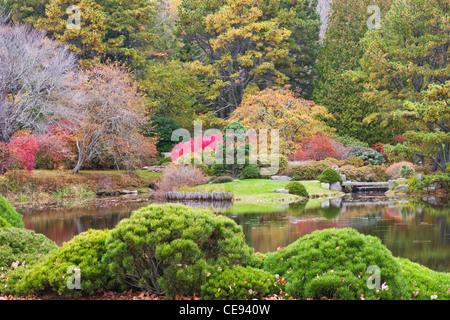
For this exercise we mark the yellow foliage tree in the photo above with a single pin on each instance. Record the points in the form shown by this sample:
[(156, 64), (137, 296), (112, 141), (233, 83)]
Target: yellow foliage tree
[(278, 108)]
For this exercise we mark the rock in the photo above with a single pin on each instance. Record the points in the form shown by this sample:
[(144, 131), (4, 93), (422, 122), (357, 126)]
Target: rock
[(325, 204), (336, 186), (336, 168), (343, 177), (166, 154), (336, 202), (434, 186), (281, 178), (135, 192), (325, 185), (391, 183), (401, 188), (295, 163), (281, 191)]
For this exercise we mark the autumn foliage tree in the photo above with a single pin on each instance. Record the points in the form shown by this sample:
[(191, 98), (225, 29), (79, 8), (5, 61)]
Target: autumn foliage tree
[(239, 47), (110, 29), (296, 119), (318, 148), (109, 114)]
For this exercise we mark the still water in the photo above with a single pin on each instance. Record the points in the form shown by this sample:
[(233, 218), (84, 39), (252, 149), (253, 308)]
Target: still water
[(417, 230)]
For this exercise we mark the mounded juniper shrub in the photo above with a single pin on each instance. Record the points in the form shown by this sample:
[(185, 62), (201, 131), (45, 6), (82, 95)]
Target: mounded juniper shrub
[(84, 251), (329, 175), (333, 263), (238, 283), (165, 249), (10, 214), (297, 188), (20, 249)]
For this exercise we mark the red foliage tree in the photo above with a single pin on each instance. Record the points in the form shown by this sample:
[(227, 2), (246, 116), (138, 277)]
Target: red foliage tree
[(19, 153), (319, 147)]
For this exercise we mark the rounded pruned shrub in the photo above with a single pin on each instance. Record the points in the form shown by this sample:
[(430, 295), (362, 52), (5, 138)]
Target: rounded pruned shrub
[(329, 175), (10, 214), (20, 249), (334, 263), (250, 171), (57, 271), (238, 283), (297, 188), (17, 244), (164, 249)]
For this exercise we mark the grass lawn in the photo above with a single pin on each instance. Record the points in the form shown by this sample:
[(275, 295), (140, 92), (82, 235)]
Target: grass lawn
[(261, 191)]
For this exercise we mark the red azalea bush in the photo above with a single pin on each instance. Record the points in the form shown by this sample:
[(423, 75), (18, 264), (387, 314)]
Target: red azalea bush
[(318, 148), (195, 144), (175, 176)]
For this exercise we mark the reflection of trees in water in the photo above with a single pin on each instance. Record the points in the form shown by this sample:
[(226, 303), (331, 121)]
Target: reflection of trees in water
[(61, 225)]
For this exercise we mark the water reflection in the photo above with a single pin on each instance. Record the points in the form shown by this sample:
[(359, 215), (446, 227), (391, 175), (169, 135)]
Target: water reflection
[(412, 229)]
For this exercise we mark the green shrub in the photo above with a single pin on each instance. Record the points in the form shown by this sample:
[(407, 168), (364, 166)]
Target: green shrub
[(308, 171), (20, 249), (360, 174), (406, 171), (10, 214), (425, 283), (369, 156), (348, 141), (165, 248), (52, 274), (329, 175), (250, 171), (238, 283), (4, 223), (442, 178), (222, 179), (17, 244), (337, 254), (297, 188)]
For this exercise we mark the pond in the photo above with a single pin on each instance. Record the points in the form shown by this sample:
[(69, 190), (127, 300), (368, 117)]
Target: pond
[(417, 230)]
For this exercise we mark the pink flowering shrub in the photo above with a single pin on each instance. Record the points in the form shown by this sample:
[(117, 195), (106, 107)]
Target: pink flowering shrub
[(195, 144)]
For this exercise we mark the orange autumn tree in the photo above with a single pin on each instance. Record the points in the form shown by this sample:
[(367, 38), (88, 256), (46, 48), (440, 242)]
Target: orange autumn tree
[(296, 119)]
